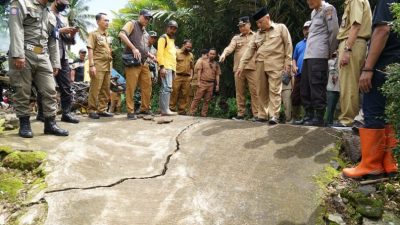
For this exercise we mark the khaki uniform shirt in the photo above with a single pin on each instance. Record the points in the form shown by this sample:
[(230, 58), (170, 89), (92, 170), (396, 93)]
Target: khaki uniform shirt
[(196, 72), (273, 47), (238, 45), (209, 70), (356, 11), (321, 41), (32, 23), (100, 44), (184, 62)]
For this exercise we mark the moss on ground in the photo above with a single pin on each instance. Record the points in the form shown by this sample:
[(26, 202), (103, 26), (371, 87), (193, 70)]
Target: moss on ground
[(24, 160), (10, 186)]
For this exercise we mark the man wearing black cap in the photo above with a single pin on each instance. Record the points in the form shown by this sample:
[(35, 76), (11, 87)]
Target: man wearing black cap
[(272, 46), (166, 56), (238, 45), (135, 38), (78, 67)]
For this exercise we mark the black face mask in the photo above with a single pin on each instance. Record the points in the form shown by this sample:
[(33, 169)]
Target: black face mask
[(188, 50), (60, 7)]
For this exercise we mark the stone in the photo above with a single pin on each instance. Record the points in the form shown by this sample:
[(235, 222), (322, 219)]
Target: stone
[(12, 121), (35, 214), (336, 218), (367, 189), (367, 221), (351, 147), (389, 218)]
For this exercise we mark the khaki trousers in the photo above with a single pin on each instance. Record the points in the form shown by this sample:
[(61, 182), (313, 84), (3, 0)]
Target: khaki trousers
[(115, 102), (180, 93), (249, 77), (193, 90), (269, 89), (205, 90), (99, 92), (39, 71), (134, 75), (349, 78)]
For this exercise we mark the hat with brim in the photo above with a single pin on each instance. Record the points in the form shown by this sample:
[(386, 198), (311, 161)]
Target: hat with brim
[(260, 14), (243, 21), (145, 13), (152, 34)]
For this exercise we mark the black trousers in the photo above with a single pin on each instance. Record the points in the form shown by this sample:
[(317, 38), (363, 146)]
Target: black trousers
[(314, 78), (63, 80), (296, 97)]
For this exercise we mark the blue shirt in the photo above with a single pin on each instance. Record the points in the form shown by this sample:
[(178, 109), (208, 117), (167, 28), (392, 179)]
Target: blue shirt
[(298, 54)]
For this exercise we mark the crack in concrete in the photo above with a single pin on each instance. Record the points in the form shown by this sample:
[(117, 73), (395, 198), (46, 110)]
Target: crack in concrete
[(163, 172)]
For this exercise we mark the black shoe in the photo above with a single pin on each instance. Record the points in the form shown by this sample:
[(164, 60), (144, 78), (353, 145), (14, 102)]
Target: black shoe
[(238, 118), (94, 115), (356, 126), (25, 130), (261, 120), (132, 116), (40, 117), (50, 127), (273, 121), (105, 114), (69, 118)]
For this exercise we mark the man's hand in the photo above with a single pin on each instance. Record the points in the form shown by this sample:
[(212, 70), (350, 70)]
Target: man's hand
[(365, 81), (295, 69), (239, 72), (152, 57), (92, 71), (136, 54), (222, 58), (334, 79), (19, 63), (345, 59), (288, 68), (217, 88), (55, 71), (68, 30), (163, 72)]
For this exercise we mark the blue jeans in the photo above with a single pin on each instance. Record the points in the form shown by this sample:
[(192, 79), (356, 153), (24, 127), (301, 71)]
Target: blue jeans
[(374, 103), (166, 82)]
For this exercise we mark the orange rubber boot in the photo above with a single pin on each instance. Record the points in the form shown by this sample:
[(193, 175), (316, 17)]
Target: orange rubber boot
[(389, 162), (372, 150)]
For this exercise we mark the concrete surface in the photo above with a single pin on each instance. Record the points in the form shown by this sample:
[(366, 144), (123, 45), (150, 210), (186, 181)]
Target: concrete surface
[(192, 171)]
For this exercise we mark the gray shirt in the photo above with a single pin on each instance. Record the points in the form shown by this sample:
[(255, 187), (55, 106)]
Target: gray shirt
[(322, 42)]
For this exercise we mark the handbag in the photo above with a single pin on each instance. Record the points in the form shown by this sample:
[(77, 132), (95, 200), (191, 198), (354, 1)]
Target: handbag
[(130, 61), (286, 78)]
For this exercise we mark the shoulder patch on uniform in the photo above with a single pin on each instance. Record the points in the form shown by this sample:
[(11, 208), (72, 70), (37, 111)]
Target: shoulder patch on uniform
[(329, 13), (14, 11)]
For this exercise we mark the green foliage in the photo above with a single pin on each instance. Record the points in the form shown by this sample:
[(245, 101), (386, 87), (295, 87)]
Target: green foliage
[(2, 123), (391, 88), (78, 15)]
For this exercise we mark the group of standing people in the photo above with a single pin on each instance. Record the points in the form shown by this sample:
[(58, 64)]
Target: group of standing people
[(265, 60)]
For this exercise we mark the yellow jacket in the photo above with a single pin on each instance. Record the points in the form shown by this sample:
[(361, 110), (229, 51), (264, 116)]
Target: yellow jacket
[(166, 53)]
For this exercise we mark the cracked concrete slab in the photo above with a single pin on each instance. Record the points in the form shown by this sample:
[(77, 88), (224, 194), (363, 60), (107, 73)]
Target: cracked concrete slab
[(224, 172)]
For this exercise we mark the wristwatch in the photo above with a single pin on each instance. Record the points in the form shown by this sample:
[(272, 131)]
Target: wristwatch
[(347, 49)]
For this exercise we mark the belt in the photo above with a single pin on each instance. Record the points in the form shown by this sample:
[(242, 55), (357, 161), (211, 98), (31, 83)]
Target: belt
[(36, 49), (183, 74), (365, 39), (208, 81)]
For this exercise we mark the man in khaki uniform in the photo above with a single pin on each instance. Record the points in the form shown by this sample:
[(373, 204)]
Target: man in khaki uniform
[(209, 73), (272, 46), (353, 35), (33, 38), (135, 38), (100, 60), (194, 83), (239, 44), (181, 83)]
